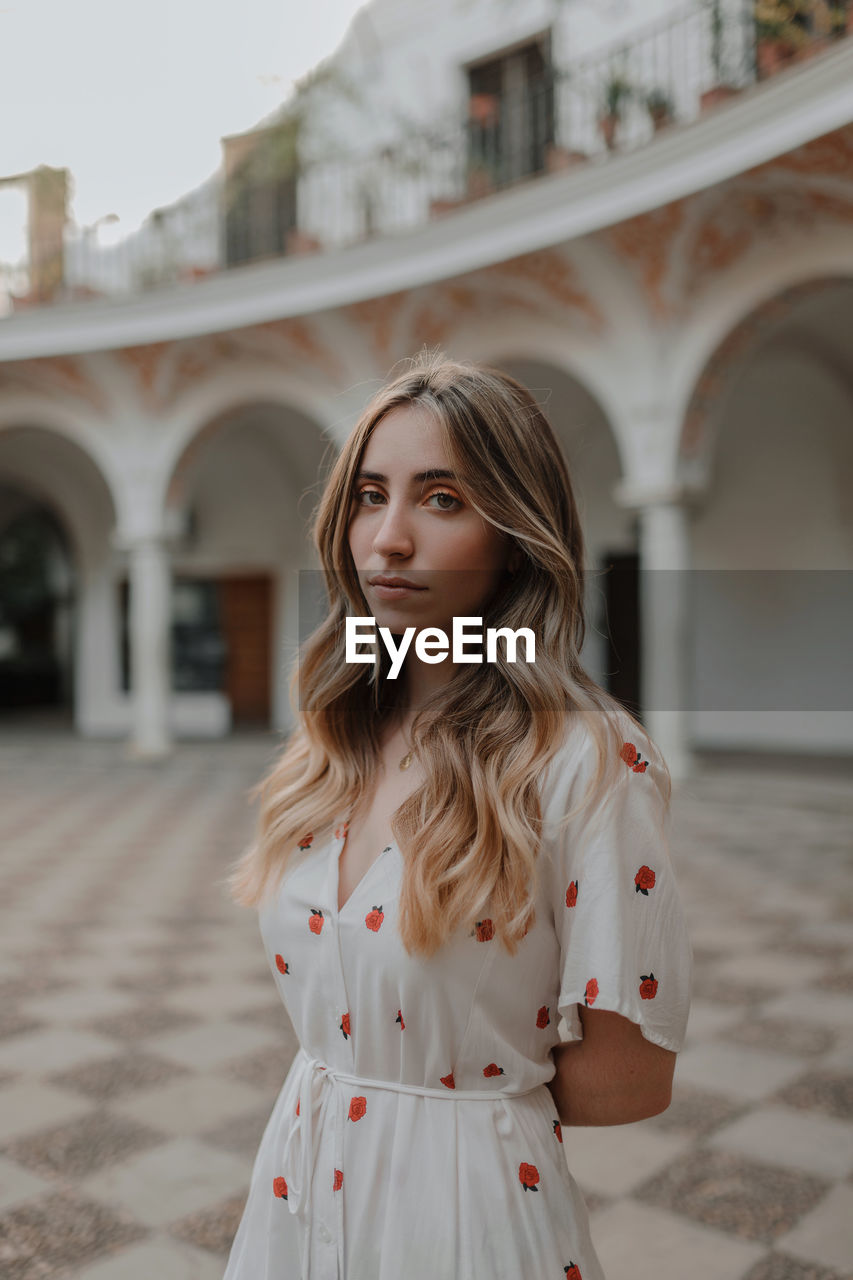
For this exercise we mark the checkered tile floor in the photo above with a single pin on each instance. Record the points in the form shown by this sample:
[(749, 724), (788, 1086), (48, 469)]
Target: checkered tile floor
[(142, 1044)]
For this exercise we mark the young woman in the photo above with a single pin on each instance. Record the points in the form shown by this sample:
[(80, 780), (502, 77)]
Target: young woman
[(448, 862)]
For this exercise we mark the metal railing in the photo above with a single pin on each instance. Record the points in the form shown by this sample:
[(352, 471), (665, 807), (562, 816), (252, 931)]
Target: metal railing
[(592, 109)]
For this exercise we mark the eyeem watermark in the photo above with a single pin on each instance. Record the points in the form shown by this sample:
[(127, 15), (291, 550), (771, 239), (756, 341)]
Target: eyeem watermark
[(432, 644)]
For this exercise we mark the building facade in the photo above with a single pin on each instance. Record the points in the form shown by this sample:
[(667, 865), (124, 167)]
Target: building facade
[(645, 215)]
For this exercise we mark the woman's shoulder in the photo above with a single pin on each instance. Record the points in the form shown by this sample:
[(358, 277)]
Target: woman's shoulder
[(612, 734)]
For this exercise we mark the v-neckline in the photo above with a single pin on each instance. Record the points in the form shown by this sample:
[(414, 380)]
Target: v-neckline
[(337, 849)]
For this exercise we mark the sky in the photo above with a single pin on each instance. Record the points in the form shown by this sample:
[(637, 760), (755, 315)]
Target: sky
[(134, 98)]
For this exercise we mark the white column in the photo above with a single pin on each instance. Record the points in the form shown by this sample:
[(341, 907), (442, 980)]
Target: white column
[(665, 625), (150, 664)]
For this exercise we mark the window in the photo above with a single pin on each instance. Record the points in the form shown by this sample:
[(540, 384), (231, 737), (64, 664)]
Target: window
[(510, 114)]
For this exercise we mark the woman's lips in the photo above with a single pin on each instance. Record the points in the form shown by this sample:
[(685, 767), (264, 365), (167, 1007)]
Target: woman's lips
[(393, 593)]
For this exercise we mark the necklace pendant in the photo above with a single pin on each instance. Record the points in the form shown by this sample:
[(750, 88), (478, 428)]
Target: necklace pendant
[(406, 761)]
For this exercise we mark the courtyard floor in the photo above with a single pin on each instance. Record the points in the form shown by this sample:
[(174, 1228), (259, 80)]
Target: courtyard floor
[(142, 1043)]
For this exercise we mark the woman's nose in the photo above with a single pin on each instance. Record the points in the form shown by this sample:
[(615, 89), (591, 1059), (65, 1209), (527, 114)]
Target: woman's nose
[(394, 533)]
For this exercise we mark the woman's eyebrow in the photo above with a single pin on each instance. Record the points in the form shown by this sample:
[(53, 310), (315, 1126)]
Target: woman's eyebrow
[(434, 473)]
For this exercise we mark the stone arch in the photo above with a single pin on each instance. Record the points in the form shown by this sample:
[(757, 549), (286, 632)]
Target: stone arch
[(707, 370)]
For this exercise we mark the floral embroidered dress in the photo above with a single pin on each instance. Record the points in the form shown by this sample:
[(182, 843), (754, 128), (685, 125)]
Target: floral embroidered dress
[(414, 1135)]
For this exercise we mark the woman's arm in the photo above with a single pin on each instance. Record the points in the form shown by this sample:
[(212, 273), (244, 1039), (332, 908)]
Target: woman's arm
[(613, 1076)]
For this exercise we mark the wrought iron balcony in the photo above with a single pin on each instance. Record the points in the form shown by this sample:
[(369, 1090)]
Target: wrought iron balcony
[(278, 201)]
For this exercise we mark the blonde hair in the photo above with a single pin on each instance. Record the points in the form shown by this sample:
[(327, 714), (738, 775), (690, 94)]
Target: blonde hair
[(470, 834)]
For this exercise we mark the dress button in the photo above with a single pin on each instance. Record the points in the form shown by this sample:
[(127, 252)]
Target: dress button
[(324, 1233)]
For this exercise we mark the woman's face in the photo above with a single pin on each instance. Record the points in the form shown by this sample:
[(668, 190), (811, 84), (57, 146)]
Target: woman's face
[(406, 524)]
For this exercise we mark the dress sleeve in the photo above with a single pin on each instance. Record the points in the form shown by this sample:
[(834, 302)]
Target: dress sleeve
[(619, 918)]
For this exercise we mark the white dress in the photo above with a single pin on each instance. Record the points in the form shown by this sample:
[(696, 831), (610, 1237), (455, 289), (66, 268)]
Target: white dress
[(414, 1136)]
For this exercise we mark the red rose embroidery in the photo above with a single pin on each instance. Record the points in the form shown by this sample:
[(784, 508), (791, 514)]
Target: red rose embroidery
[(448, 1081), (558, 1132), (357, 1108), (573, 1271), (542, 1018), (631, 756), (297, 1106), (572, 893), (644, 880), (591, 991), (341, 831), (338, 1180), (399, 1018), (493, 1070), (305, 842), (374, 919), (345, 1026), (528, 1176), (484, 930), (648, 986), (281, 964), (315, 920), (279, 1188)]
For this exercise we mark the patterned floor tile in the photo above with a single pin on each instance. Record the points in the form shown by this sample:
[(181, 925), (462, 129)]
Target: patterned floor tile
[(781, 1266), (26, 1105), (16, 1184), (266, 1069), (43, 1238), (165, 1259), (823, 1235), (241, 1134), (77, 1149), (750, 1200), (139, 1023), (830, 1092), (782, 1035), (51, 1050), (212, 1044), (795, 1139), (111, 1078), (696, 1111), (213, 1228), (15, 1023), (644, 1243), (170, 1181), (188, 1105)]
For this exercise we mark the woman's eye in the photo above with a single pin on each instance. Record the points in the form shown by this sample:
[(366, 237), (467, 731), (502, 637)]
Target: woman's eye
[(440, 494), (371, 492)]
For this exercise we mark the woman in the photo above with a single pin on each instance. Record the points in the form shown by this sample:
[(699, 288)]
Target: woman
[(446, 863)]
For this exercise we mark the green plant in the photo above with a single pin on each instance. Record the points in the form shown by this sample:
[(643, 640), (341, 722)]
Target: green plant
[(618, 90), (717, 31), (658, 103)]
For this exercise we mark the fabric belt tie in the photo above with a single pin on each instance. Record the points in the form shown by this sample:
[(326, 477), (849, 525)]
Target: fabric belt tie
[(314, 1077)]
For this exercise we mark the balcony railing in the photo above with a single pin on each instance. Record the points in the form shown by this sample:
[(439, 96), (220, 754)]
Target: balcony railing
[(584, 113)]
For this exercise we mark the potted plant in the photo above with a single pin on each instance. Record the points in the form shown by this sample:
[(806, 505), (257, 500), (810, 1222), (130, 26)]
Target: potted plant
[(780, 33), (840, 20), (618, 90), (721, 89), (660, 108), (558, 158)]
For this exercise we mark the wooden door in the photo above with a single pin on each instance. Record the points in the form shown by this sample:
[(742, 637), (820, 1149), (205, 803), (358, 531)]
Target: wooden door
[(246, 605), (623, 653)]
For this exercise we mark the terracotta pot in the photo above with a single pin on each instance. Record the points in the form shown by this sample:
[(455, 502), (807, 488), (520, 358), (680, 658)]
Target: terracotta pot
[(480, 184), (557, 158), (772, 55), (300, 242), (438, 208), (608, 126), (719, 93)]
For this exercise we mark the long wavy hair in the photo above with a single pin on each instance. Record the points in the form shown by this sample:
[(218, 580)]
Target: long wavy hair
[(470, 834)]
